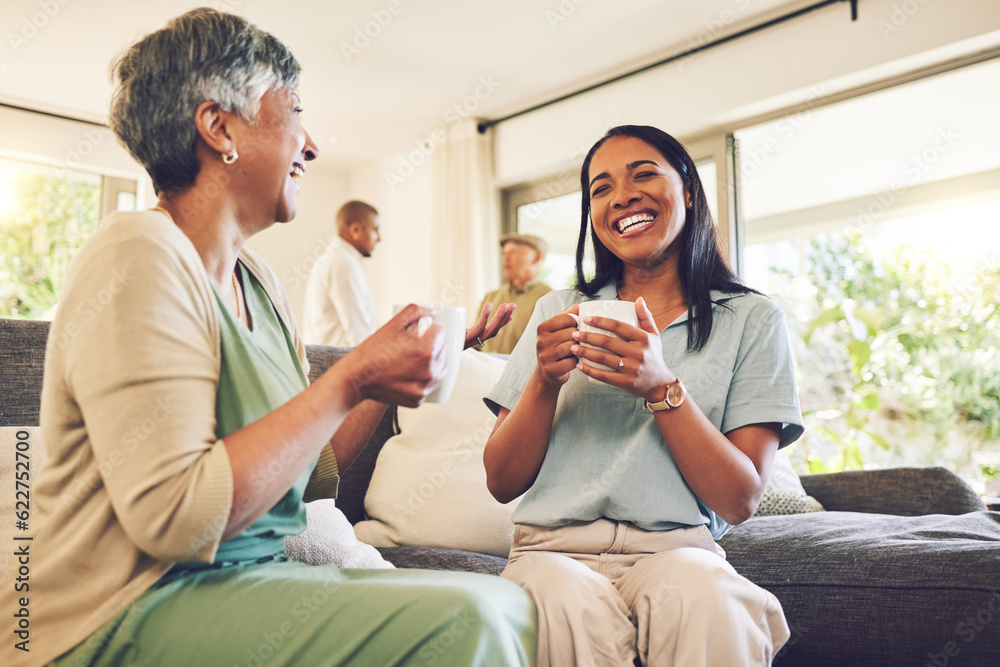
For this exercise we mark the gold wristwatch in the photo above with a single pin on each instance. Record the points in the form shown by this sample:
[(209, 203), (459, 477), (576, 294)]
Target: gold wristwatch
[(674, 398)]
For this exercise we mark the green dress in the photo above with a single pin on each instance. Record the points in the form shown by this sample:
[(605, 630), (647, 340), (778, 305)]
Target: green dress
[(253, 606)]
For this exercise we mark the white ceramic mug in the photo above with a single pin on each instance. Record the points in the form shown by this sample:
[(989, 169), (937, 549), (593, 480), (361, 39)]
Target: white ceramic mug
[(623, 311), (451, 319)]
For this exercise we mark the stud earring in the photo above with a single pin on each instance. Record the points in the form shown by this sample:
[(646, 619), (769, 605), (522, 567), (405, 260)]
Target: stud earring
[(231, 157)]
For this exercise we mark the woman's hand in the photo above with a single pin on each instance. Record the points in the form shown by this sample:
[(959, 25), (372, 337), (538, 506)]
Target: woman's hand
[(397, 365), (644, 373), (553, 348), (482, 331)]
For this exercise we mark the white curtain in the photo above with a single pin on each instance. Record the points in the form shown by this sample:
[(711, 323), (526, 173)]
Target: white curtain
[(465, 207)]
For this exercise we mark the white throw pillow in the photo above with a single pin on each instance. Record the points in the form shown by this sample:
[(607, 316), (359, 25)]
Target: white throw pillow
[(784, 493), (21, 455), (329, 538), (428, 488)]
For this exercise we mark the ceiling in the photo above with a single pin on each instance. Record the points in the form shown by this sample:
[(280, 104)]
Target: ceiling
[(378, 75)]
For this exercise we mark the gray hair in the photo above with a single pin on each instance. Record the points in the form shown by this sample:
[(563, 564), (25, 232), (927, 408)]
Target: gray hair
[(163, 78)]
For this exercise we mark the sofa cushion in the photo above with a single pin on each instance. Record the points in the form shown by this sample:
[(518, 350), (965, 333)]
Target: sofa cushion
[(429, 485), (871, 589), (23, 345), (436, 558), (903, 491)]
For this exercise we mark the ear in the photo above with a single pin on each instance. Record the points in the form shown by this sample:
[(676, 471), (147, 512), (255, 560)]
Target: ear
[(213, 124)]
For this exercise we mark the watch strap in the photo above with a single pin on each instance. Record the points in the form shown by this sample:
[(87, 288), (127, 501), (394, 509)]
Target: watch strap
[(666, 404)]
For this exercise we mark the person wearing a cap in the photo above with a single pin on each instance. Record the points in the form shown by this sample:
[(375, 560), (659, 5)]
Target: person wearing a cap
[(522, 261)]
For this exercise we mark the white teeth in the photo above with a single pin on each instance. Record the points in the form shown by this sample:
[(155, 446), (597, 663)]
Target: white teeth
[(297, 171), (633, 220)]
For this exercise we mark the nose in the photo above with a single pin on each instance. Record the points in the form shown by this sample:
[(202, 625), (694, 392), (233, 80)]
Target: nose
[(625, 196), (310, 151)]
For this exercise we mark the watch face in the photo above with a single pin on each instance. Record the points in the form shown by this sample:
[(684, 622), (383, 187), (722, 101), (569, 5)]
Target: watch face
[(675, 395)]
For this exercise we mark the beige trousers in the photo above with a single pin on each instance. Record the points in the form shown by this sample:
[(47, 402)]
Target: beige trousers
[(608, 592)]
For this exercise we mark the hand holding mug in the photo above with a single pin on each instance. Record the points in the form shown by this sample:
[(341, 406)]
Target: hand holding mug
[(621, 311), (624, 354), (399, 363), (451, 321), (552, 347)]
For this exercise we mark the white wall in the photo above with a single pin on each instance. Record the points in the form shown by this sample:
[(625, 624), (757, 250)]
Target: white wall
[(399, 269), (291, 248)]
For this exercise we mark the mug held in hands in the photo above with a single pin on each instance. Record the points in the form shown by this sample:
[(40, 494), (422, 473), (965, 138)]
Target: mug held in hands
[(452, 323), (623, 311)]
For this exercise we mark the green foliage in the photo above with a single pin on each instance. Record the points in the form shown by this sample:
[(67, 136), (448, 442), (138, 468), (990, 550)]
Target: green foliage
[(50, 220), (900, 360)]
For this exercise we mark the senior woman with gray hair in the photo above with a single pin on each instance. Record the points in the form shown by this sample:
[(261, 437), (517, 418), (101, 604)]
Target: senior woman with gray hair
[(182, 437)]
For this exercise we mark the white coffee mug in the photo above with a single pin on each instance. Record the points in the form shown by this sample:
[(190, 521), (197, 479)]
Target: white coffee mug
[(451, 319), (623, 311)]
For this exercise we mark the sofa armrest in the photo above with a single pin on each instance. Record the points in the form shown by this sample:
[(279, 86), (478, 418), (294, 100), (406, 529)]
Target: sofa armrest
[(902, 491)]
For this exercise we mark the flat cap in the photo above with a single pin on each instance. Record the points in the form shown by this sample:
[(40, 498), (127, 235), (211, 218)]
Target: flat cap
[(535, 242)]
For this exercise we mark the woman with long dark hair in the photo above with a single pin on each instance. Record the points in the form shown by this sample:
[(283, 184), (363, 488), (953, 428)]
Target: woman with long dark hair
[(628, 475)]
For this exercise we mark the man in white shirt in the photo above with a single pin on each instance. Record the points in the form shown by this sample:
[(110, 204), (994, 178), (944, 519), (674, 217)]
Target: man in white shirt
[(339, 306)]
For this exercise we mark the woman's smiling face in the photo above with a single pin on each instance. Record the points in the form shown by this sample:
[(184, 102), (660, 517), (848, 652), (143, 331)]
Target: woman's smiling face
[(274, 152), (638, 204)]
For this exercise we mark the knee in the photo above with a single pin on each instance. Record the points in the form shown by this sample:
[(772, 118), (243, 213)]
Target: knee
[(491, 604), (690, 579), (542, 573), (495, 615)]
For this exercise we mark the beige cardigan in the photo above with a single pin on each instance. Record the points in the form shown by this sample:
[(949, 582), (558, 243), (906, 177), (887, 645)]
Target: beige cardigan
[(135, 479)]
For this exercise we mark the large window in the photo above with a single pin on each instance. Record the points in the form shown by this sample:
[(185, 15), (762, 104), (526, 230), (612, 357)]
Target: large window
[(875, 222), (46, 213)]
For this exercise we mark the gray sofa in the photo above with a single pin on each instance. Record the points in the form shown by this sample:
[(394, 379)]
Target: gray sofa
[(903, 568)]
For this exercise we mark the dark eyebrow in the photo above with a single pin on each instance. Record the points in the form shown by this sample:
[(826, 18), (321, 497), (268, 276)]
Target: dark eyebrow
[(601, 175), (630, 166)]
